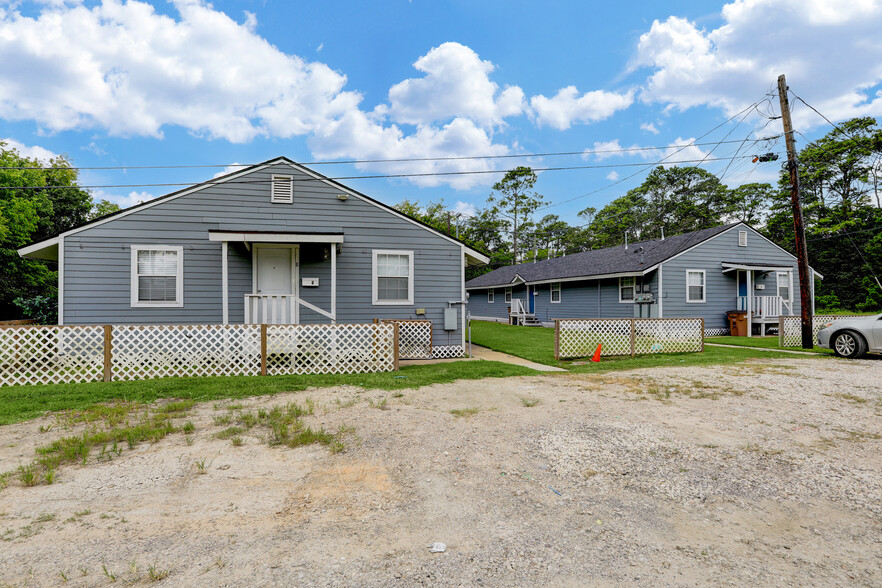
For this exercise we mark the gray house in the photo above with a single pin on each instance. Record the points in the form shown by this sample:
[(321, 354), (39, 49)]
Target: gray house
[(699, 274), (273, 243)]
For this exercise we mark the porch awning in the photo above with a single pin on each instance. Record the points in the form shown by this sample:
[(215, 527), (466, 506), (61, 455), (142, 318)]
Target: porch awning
[(274, 237), (759, 267)]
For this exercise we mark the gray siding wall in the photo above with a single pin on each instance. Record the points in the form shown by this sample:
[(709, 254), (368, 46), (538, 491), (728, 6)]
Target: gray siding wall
[(97, 260), (579, 299), (478, 305), (721, 289)]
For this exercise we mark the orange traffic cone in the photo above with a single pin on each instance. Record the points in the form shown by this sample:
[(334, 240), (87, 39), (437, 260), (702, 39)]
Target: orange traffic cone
[(596, 354)]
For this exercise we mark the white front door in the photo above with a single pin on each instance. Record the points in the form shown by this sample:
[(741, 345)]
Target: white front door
[(275, 270), (275, 282)]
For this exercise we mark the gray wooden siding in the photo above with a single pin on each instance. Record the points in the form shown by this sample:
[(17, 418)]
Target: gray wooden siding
[(579, 299), (97, 259), (721, 289)]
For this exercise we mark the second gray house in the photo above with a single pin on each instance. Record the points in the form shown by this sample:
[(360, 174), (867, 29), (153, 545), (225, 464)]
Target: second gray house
[(699, 274), (273, 243)]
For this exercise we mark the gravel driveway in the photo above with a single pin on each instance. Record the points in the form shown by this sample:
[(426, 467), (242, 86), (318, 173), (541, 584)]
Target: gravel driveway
[(766, 473)]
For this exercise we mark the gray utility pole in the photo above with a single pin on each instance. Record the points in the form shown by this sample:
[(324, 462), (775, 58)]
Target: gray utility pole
[(805, 293)]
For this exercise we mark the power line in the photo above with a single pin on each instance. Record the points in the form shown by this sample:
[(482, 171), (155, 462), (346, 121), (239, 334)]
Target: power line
[(693, 143), (399, 160), (365, 177)]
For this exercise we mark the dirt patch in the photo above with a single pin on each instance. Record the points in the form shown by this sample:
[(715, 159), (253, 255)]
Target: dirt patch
[(767, 473)]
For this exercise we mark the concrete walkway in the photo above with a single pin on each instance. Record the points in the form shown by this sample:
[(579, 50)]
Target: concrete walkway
[(815, 353), (479, 352)]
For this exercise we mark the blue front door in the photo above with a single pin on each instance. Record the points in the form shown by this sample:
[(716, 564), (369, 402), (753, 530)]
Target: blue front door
[(531, 296), (742, 283)]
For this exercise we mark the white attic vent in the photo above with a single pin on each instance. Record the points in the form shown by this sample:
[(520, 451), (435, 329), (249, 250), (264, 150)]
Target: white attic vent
[(282, 190), (742, 238)]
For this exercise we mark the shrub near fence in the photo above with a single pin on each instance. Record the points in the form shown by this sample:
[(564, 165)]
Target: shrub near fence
[(790, 327), (61, 354), (579, 337)]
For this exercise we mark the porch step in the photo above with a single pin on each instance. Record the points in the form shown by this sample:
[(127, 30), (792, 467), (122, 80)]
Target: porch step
[(530, 320)]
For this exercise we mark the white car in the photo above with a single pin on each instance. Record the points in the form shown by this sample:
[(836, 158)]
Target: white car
[(852, 337)]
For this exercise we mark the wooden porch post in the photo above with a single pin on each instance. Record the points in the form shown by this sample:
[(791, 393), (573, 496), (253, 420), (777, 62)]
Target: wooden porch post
[(749, 302), (334, 282), (225, 284)]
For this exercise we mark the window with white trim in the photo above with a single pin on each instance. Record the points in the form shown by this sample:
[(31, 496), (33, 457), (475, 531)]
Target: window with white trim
[(157, 276), (507, 295), (491, 294), (742, 238), (626, 289), (555, 292), (783, 279), (282, 190), (695, 291), (392, 281)]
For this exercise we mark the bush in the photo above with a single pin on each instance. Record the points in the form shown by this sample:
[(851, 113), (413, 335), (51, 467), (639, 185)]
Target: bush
[(43, 309)]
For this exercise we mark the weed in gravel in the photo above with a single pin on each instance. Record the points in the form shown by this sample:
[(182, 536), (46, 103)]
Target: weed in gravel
[(856, 435), (176, 408), (247, 419), (222, 420), (45, 518), (380, 404), (465, 412), (202, 466), (155, 574), (237, 441), (30, 475), (848, 397), (189, 439), (188, 427), (110, 576), (397, 395), (84, 571), (228, 433), (529, 402), (63, 576)]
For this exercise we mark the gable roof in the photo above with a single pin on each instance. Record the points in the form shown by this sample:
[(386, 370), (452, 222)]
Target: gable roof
[(37, 249), (611, 261)]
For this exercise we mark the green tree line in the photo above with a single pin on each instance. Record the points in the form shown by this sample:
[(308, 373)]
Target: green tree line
[(841, 192)]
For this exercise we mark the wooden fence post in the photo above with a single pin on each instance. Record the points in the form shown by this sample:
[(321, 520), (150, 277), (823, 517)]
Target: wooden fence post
[(262, 349), (633, 337), (108, 353), (701, 334), (395, 339), (556, 339)]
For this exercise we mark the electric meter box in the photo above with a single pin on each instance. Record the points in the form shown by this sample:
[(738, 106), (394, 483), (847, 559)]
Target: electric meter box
[(449, 319)]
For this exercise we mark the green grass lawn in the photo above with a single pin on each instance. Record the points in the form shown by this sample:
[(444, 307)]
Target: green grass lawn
[(537, 344), (764, 342), (18, 403)]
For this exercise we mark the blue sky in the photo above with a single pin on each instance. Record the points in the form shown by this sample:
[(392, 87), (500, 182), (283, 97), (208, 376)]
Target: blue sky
[(191, 83)]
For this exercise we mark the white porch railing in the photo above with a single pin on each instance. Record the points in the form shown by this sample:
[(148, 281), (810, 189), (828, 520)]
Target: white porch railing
[(518, 311), (277, 309), (269, 309), (763, 306)]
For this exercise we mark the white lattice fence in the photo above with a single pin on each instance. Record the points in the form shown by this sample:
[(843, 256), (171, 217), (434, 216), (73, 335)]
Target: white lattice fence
[(51, 354), (330, 349), (159, 351), (668, 335), (414, 338), (447, 351), (580, 337), (790, 328), (718, 332)]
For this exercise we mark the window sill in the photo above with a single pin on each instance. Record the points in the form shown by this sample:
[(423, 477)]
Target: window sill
[(392, 303), (157, 304)]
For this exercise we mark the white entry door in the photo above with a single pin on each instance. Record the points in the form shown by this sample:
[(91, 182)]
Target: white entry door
[(276, 283)]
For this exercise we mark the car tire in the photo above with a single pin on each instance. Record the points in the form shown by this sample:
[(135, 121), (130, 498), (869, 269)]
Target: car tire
[(849, 344)]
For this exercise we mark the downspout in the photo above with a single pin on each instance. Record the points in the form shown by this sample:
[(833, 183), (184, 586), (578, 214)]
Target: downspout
[(661, 292), (61, 280)]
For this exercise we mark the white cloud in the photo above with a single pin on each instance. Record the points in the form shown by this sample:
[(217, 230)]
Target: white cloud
[(612, 176), (124, 201), (31, 152), (829, 51), (680, 151), (456, 84), (464, 208), (356, 135), (568, 107), (229, 169), (649, 128), (127, 69)]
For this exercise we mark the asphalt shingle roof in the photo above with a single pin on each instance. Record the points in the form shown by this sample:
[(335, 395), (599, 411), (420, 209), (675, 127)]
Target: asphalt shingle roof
[(612, 260)]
